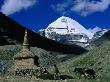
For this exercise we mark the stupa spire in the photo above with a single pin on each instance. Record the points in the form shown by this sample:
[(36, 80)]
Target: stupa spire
[(26, 42)]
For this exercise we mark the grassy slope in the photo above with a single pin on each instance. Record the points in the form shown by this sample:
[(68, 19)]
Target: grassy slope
[(98, 59), (8, 51)]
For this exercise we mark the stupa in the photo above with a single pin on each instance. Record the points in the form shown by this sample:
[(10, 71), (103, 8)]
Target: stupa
[(25, 59)]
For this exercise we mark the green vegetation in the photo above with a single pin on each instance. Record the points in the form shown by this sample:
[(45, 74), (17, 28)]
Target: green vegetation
[(7, 52), (97, 59)]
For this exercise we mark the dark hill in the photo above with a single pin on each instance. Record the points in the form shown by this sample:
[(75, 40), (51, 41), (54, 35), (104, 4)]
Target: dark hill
[(15, 32)]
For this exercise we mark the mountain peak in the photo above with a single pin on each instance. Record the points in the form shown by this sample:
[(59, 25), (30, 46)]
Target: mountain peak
[(69, 31), (65, 25)]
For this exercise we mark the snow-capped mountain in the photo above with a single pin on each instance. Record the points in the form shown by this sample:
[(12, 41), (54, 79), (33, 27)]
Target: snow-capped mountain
[(98, 38), (69, 31), (98, 34), (65, 25)]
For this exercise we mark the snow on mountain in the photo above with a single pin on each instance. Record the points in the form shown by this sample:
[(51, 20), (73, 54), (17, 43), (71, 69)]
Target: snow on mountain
[(65, 25), (95, 29), (69, 31), (98, 34)]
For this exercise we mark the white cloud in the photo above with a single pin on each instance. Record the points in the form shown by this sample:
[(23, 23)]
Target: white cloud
[(94, 30), (12, 6), (64, 7), (83, 7)]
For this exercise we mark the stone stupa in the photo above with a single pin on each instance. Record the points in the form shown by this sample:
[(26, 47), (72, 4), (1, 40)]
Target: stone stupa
[(25, 59)]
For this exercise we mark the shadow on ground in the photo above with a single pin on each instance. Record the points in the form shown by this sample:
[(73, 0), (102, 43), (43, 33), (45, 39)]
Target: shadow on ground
[(51, 77)]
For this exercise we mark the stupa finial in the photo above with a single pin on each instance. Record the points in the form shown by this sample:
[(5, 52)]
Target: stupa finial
[(26, 42)]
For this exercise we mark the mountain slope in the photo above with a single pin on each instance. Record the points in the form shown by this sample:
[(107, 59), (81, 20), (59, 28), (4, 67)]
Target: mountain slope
[(98, 34), (102, 39), (68, 25), (67, 31), (16, 32), (97, 59)]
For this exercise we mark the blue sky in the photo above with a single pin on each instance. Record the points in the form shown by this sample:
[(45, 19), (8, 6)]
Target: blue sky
[(37, 14)]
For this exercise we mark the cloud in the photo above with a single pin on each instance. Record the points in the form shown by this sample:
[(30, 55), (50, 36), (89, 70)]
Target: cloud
[(94, 30), (12, 6), (83, 7), (62, 8)]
